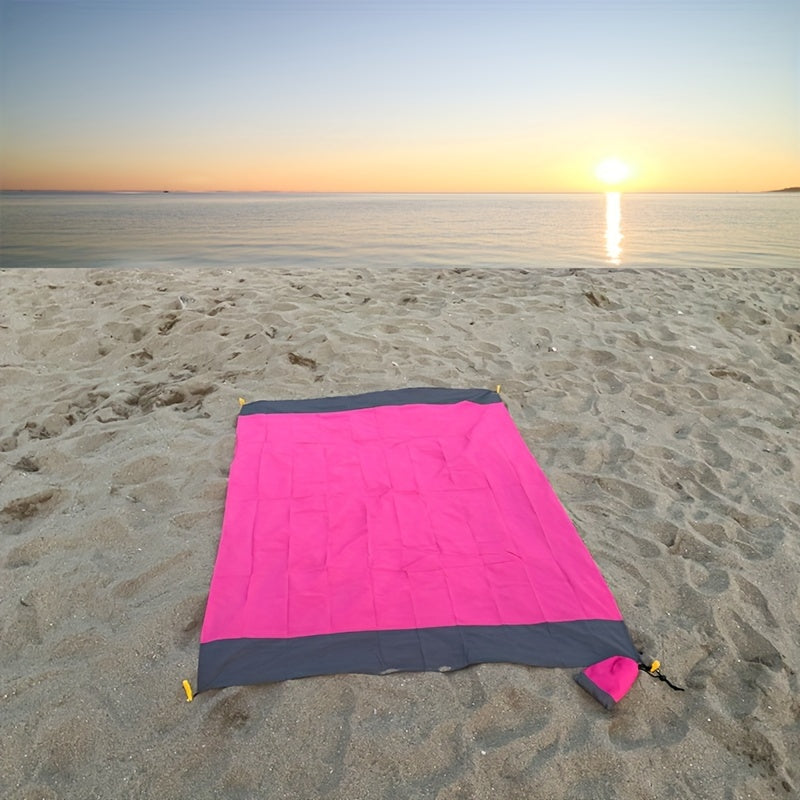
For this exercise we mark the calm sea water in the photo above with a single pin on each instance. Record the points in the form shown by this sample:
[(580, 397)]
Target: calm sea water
[(385, 230)]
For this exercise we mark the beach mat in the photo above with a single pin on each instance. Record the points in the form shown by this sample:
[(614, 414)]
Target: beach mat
[(403, 530)]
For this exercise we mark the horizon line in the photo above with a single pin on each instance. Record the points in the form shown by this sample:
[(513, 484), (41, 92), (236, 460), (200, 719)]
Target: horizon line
[(788, 189)]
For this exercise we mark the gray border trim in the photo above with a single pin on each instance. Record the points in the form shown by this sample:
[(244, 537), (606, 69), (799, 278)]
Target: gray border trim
[(391, 397), (237, 662), (602, 697)]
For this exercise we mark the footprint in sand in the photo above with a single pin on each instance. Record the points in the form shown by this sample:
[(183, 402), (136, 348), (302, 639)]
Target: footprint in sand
[(26, 464), (26, 555), (750, 645), (302, 361), (17, 512), (184, 395)]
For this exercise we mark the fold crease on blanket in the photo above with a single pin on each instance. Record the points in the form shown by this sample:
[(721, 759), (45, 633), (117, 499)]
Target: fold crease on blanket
[(400, 530)]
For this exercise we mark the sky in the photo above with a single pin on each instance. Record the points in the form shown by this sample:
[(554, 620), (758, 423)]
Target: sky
[(399, 95)]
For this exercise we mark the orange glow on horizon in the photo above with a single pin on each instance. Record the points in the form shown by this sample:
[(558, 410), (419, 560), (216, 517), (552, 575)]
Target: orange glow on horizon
[(458, 167)]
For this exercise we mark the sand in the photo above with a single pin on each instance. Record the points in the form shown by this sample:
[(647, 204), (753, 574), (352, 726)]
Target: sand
[(663, 405)]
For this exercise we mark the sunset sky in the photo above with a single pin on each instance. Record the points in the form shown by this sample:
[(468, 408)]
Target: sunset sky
[(400, 95)]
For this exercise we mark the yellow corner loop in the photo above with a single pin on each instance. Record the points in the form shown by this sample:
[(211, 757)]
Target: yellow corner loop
[(654, 666), (242, 401), (187, 687)]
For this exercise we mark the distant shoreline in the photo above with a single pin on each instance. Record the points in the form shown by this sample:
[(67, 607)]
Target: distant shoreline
[(223, 192)]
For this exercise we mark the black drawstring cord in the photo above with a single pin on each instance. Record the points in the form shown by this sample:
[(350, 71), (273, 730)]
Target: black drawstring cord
[(655, 671)]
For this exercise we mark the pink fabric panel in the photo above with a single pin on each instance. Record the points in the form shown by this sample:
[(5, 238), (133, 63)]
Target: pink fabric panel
[(393, 517), (614, 676)]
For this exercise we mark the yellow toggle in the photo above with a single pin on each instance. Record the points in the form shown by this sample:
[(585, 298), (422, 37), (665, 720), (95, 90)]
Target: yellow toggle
[(498, 389), (187, 687), (654, 666), (242, 401)]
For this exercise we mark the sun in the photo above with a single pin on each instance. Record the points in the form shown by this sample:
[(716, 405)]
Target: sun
[(612, 171)]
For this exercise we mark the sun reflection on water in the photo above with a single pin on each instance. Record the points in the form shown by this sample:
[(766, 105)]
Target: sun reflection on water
[(613, 228)]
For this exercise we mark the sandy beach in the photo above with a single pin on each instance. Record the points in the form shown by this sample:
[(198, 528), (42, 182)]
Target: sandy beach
[(664, 407)]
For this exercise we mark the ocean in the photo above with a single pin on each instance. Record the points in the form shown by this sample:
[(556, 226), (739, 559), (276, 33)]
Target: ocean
[(522, 231)]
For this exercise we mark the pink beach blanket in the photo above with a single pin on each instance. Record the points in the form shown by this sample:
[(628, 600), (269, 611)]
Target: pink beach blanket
[(400, 530)]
